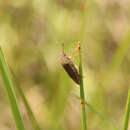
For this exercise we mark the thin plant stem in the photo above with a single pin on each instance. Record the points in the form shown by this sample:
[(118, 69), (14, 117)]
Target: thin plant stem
[(82, 97), (100, 114), (9, 87), (127, 113), (27, 106)]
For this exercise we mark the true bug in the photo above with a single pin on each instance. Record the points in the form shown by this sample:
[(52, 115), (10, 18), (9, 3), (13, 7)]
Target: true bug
[(70, 68)]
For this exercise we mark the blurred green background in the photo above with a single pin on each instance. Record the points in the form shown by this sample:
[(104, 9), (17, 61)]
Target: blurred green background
[(31, 36)]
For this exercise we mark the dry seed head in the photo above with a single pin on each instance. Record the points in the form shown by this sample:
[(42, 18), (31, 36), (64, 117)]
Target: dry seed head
[(69, 67)]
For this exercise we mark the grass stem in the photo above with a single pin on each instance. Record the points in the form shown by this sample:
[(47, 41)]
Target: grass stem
[(127, 112), (82, 97), (100, 114), (7, 79), (26, 104)]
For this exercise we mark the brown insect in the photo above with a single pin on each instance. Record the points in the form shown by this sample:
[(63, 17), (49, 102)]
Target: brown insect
[(70, 68)]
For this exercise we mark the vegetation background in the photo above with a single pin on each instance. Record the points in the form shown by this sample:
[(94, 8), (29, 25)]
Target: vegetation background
[(31, 35)]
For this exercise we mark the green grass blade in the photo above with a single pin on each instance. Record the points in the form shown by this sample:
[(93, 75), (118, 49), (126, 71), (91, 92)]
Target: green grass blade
[(127, 113), (82, 97), (101, 115), (11, 93), (27, 106)]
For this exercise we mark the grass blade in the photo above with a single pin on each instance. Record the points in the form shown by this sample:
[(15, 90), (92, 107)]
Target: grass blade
[(6, 76), (82, 97), (127, 113), (101, 115), (26, 104)]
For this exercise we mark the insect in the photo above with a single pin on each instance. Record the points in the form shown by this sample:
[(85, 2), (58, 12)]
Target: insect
[(70, 68)]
